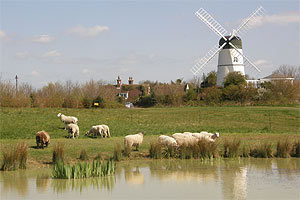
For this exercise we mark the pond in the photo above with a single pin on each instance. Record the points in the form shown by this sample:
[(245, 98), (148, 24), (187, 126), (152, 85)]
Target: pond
[(166, 179)]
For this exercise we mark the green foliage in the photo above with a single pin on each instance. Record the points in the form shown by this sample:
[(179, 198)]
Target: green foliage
[(210, 80), (83, 170), (211, 95), (234, 78), (147, 101), (100, 101)]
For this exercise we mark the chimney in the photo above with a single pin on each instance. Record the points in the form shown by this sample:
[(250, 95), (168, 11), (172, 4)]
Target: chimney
[(130, 81), (118, 82)]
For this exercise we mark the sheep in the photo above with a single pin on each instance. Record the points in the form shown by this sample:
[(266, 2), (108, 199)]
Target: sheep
[(184, 138), (42, 137), (167, 141), (211, 137), (74, 130), (96, 130), (67, 119), (106, 132), (133, 140)]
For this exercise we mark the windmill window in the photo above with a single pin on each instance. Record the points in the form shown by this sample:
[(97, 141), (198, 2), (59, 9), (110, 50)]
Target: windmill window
[(235, 59)]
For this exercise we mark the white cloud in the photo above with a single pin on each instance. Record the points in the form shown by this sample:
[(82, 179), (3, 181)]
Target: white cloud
[(35, 73), (265, 65), (279, 19), (86, 71), (51, 54), (2, 34), (88, 31), (22, 55), (43, 39)]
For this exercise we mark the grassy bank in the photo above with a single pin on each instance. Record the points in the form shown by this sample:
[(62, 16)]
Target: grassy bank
[(23, 123)]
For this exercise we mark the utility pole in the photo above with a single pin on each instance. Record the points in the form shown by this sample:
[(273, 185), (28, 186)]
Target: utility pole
[(16, 84)]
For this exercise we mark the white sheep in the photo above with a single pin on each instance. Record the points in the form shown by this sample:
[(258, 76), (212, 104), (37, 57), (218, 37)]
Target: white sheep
[(211, 137), (95, 130), (133, 140), (184, 138), (74, 130), (67, 119), (167, 141), (105, 129)]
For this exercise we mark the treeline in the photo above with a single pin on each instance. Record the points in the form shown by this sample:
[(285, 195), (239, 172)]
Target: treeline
[(205, 92)]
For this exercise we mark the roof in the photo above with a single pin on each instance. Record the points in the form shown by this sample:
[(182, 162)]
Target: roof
[(277, 76)]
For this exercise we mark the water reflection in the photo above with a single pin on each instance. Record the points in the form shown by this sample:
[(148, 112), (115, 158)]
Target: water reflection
[(230, 178)]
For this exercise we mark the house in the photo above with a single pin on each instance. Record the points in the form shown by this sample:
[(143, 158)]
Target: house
[(271, 78), (131, 91)]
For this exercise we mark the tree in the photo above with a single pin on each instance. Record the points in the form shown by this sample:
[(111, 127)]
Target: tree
[(234, 78), (288, 71), (209, 80)]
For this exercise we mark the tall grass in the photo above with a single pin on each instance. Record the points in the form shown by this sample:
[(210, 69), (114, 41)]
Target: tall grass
[(155, 150), (296, 149), (284, 148), (83, 155), (262, 151), (58, 153), (83, 170), (231, 148), (127, 151), (117, 152), (15, 158)]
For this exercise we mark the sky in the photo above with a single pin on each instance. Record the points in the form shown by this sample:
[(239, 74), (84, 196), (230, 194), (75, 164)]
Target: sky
[(55, 41)]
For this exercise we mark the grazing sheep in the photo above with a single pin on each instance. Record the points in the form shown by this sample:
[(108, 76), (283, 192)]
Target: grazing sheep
[(67, 119), (96, 130), (167, 141), (106, 132), (42, 137), (211, 137), (184, 138), (74, 130), (133, 140)]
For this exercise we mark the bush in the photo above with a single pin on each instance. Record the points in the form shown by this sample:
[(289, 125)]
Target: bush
[(262, 151), (83, 155), (231, 148), (296, 149), (284, 149), (155, 150), (15, 158), (117, 152), (58, 153)]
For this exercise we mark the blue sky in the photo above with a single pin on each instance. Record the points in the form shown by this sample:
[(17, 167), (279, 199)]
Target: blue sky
[(49, 41)]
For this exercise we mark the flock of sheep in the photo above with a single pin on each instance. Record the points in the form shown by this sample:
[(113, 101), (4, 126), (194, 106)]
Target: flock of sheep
[(176, 140)]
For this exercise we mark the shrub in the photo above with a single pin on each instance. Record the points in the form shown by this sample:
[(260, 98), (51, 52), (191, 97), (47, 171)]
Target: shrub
[(117, 152), (155, 150), (15, 158), (262, 151), (83, 155), (58, 153), (296, 149), (231, 148), (284, 149)]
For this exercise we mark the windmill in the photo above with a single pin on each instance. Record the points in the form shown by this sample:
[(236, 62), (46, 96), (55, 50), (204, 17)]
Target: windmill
[(231, 57)]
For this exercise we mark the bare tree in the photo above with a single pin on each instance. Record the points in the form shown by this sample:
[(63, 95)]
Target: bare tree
[(289, 71)]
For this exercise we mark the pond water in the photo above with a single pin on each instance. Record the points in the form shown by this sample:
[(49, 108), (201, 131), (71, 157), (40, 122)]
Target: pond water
[(166, 179)]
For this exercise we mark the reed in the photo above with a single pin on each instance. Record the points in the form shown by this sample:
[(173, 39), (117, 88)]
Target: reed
[(22, 153), (97, 168), (245, 151), (231, 148), (206, 149), (185, 152), (127, 151), (262, 151), (170, 152), (58, 153), (296, 149), (117, 152), (155, 150), (83, 155), (284, 149), (15, 157)]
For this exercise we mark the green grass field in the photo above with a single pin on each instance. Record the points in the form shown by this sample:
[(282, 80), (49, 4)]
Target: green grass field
[(23, 123), (252, 125)]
